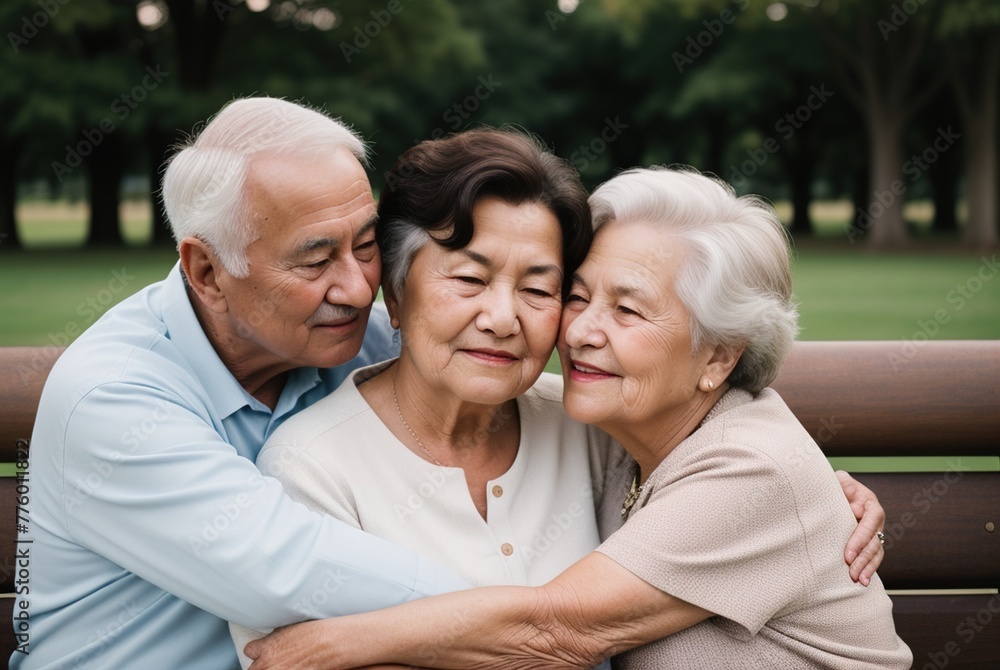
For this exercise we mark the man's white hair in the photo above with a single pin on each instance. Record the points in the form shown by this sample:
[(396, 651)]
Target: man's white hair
[(736, 276), (204, 184)]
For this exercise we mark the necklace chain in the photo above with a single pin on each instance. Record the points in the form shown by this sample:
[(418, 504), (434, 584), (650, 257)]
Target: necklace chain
[(633, 496), (419, 443)]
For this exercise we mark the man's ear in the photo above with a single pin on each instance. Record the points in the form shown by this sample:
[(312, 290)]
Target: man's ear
[(722, 361), (202, 267)]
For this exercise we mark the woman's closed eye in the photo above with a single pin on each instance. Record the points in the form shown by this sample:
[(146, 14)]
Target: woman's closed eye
[(627, 311)]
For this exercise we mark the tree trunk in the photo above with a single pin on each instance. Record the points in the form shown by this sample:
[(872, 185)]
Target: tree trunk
[(943, 176), (884, 222), (800, 178), (981, 178), (105, 176), (860, 179), (10, 154)]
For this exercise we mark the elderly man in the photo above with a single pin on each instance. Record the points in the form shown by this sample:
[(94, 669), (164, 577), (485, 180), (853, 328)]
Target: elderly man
[(150, 525)]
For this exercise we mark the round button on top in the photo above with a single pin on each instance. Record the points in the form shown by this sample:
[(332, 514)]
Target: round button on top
[(507, 549), (497, 491)]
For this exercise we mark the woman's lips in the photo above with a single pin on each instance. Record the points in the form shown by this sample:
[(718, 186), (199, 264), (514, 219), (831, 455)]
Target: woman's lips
[(585, 372), (491, 356)]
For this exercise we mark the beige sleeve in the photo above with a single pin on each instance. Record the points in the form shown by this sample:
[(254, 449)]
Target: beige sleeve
[(721, 532), (308, 481)]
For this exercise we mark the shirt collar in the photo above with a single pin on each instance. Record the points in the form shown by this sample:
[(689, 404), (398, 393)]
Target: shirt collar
[(228, 396)]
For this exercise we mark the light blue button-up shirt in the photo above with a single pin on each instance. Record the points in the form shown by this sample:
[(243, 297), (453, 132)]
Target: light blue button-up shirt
[(150, 525)]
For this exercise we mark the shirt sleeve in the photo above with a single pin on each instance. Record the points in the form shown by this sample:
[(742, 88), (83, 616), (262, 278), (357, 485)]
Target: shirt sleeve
[(307, 481), (172, 502), (721, 532)]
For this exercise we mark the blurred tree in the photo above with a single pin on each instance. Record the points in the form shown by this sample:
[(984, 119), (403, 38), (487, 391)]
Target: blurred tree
[(770, 77), (944, 173), (41, 64), (878, 52), (972, 46)]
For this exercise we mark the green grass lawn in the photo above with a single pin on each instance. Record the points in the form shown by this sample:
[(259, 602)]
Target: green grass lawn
[(844, 292)]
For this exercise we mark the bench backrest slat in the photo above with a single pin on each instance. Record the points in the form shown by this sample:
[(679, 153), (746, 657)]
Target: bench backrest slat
[(868, 399)]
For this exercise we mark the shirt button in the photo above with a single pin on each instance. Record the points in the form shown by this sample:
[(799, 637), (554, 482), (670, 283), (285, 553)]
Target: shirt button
[(507, 549), (497, 491)]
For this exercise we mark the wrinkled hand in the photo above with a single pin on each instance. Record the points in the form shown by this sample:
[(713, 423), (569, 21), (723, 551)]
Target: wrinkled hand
[(299, 647), (303, 646), (864, 551)]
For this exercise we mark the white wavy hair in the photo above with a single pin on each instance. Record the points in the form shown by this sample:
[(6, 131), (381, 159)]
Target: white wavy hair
[(204, 184), (736, 277)]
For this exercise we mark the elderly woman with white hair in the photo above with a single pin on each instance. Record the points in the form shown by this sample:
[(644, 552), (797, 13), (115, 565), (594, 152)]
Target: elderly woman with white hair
[(724, 523)]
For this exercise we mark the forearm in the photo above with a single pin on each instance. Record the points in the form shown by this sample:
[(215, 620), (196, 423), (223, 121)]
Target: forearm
[(497, 627), (592, 611)]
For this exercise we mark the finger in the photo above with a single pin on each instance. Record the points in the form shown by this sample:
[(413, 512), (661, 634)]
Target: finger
[(867, 562), (869, 524), (869, 570)]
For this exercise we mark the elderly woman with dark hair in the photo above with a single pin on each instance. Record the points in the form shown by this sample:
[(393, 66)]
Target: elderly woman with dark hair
[(724, 522), (459, 449)]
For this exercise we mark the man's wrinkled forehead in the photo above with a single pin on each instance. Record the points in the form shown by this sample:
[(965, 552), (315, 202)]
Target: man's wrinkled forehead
[(333, 187)]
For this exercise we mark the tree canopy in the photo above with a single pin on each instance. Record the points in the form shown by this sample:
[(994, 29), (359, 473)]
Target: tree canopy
[(872, 100)]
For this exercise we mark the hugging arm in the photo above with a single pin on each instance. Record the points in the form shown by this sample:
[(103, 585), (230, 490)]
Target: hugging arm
[(592, 611)]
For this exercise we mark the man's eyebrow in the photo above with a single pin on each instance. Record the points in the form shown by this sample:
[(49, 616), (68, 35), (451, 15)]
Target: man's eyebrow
[(316, 243), (367, 226)]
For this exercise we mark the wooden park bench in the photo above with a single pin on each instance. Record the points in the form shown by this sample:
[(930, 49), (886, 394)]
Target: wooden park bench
[(894, 399)]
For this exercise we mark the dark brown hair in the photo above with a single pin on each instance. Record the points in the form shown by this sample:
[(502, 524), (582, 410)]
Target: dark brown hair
[(435, 185)]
